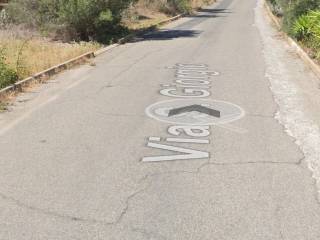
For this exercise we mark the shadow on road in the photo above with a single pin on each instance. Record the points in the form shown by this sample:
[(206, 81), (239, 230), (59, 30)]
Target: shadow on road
[(205, 16), (167, 35), (181, 31), (211, 13), (214, 11)]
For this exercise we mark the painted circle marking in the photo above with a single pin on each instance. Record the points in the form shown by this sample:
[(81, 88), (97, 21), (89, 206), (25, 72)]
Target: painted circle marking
[(229, 112)]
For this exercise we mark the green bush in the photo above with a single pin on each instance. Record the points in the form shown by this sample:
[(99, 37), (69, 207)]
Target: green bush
[(297, 9), (302, 27), (293, 9), (307, 30), (174, 6), (79, 19), (182, 6), (3, 19), (92, 19), (7, 75), (21, 11)]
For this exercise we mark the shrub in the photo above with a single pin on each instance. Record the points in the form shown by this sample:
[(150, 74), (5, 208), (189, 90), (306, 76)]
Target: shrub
[(80, 19), (297, 9), (307, 26), (307, 29), (302, 27), (4, 20), (175, 6), (92, 19), (293, 9), (7, 75), (182, 6), (23, 12)]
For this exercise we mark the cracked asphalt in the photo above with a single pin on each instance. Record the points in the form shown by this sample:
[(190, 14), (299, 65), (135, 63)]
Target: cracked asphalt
[(71, 149)]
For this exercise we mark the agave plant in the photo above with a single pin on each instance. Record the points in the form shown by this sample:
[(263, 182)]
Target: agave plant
[(302, 28), (315, 28), (307, 29), (314, 15)]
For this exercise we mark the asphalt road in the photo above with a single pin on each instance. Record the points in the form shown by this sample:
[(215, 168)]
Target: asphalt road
[(205, 130)]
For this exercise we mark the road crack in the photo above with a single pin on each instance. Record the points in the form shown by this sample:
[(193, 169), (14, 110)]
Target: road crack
[(125, 209), (72, 218), (45, 211)]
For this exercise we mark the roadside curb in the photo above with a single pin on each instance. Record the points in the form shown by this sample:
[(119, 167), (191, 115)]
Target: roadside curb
[(17, 87), (299, 50), (38, 77)]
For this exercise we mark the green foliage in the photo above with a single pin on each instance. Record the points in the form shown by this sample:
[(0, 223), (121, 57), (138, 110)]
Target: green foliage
[(33, 13), (23, 12), (91, 19), (79, 19), (301, 19), (4, 20), (47, 11), (302, 27), (82, 16), (293, 9), (307, 26), (182, 6), (307, 29), (174, 6), (7, 75)]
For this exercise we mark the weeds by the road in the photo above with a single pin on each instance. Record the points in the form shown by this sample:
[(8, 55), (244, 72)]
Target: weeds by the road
[(7, 75), (141, 16), (307, 30), (3, 106), (301, 20), (146, 13), (291, 10), (27, 54)]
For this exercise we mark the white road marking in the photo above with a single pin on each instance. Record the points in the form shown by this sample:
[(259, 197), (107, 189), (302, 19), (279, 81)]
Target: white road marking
[(191, 87), (192, 131), (188, 140), (187, 93), (155, 139), (229, 112), (188, 153)]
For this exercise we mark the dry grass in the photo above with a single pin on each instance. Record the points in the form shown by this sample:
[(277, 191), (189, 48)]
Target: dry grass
[(143, 15), (200, 3), (30, 54), (5, 100), (146, 13), (145, 23)]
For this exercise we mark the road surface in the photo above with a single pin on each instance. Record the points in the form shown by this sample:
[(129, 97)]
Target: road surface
[(204, 130)]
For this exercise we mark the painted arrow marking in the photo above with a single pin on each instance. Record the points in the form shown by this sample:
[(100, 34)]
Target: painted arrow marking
[(195, 108)]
